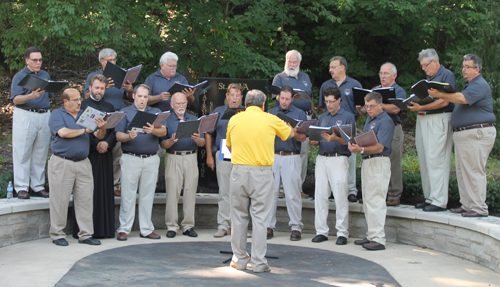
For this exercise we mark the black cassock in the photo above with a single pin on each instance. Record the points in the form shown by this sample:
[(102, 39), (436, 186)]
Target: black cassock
[(102, 171)]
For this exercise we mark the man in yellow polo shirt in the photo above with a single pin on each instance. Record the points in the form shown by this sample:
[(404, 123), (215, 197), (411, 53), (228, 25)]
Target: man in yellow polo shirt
[(250, 136)]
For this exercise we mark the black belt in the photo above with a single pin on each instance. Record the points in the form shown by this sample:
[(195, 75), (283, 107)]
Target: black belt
[(477, 126), (287, 152), (69, 158), (430, 113), (368, 156), (333, 154), (184, 152), (144, 155), (40, 111)]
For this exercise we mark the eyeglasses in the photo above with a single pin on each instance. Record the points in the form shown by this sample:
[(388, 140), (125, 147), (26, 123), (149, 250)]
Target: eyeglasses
[(180, 104), (385, 73), (335, 67), (426, 65), (467, 67), (77, 100), (37, 60), (330, 102), (371, 107)]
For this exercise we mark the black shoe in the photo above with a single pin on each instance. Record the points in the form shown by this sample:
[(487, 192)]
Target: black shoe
[(374, 246), (352, 198), (361, 241), (60, 242), (319, 238), (190, 232), (341, 240), (270, 233), (433, 208), (90, 241), (421, 205), (171, 234)]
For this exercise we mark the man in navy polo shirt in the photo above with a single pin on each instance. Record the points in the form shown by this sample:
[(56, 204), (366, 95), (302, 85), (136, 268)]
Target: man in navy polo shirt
[(474, 135), (70, 171), (30, 129), (139, 165), (224, 167), (433, 136), (162, 80), (340, 80), (181, 169), (287, 167), (375, 171), (115, 96), (332, 171)]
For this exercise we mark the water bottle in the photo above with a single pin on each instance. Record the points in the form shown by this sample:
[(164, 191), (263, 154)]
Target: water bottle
[(10, 190)]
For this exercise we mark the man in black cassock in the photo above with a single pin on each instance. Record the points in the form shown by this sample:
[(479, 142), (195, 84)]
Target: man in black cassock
[(101, 158)]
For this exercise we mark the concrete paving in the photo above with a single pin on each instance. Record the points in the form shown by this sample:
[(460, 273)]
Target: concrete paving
[(41, 263)]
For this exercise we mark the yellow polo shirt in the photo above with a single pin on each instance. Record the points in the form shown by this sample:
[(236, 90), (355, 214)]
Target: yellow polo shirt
[(251, 135)]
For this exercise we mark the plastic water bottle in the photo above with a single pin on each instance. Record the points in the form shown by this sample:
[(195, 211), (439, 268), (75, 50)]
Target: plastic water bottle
[(10, 190)]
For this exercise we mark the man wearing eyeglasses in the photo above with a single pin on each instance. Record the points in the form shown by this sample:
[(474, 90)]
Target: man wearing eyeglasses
[(224, 166), (375, 171), (115, 96), (181, 169), (474, 135), (340, 80), (433, 136), (70, 171), (163, 79), (30, 129)]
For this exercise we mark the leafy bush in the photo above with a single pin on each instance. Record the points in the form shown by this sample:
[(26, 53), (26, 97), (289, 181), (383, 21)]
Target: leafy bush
[(4, 181)]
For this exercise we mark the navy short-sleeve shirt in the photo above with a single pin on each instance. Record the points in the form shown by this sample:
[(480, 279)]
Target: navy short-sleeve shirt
[(172, 124), (345, 89), (341, 117), (42, 102), (158, 84), (383, 126), (302, 82), (114, 95), (290, 144), (77, 147)]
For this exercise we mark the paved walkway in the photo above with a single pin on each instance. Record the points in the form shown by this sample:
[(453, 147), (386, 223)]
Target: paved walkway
[(41, 263)]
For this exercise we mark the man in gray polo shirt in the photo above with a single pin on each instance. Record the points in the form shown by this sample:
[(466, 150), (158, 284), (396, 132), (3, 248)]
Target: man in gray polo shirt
[(162, 80), (474, 134), (375, 171), (30, 129), (287, 167), (340, 80), (433, 136)]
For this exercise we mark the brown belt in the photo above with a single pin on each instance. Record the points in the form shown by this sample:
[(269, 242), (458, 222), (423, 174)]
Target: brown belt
[(477, 126), (69, 158), (368, 156), (287, 152)]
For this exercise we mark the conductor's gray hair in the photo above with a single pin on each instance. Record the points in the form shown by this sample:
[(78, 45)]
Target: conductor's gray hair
[(106, 52), (429, 54), (168, 56), (255, 98)]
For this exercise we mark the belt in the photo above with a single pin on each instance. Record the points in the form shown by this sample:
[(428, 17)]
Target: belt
[(184, 152), (287, 152), (333, 154), (430, 113), (69, 158), (40, 111), (368, 156), (144, 155), (397, 124), (477, 126), (227, 159)]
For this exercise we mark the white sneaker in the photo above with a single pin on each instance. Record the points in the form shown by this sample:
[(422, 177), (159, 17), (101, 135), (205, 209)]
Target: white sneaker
[(220, 233)]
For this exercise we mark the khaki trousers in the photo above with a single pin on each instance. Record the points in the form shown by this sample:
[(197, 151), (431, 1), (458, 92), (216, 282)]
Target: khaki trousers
[(396, 183), (375, 176), (223, 171), (117, 154), (251, 195), (181, 172), (472, 148), (67, 177)]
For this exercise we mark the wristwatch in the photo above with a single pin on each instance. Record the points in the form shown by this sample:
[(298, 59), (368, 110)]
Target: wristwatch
[(362, 150)]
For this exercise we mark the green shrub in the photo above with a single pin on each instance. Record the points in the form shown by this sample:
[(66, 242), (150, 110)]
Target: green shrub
[(5, 177)]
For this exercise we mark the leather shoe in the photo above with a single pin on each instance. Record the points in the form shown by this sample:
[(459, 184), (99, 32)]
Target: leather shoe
[(361, 241), (374, 246), (393, 202), (122, 236), (458, 210), (117, 192), (295, 236), (270, 233), (171, 234), (152, 235), (23, 194), (41, 193), (190, 232), (60, 242), (341, 240), (220, 233), (90, 241), (421, 205), (472, 213), (352, 198), (319, 238), (431, 207), (360, 200)]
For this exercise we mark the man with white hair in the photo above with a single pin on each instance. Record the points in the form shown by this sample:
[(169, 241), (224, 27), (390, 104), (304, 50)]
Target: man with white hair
[(293, 77), (163, 79)]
